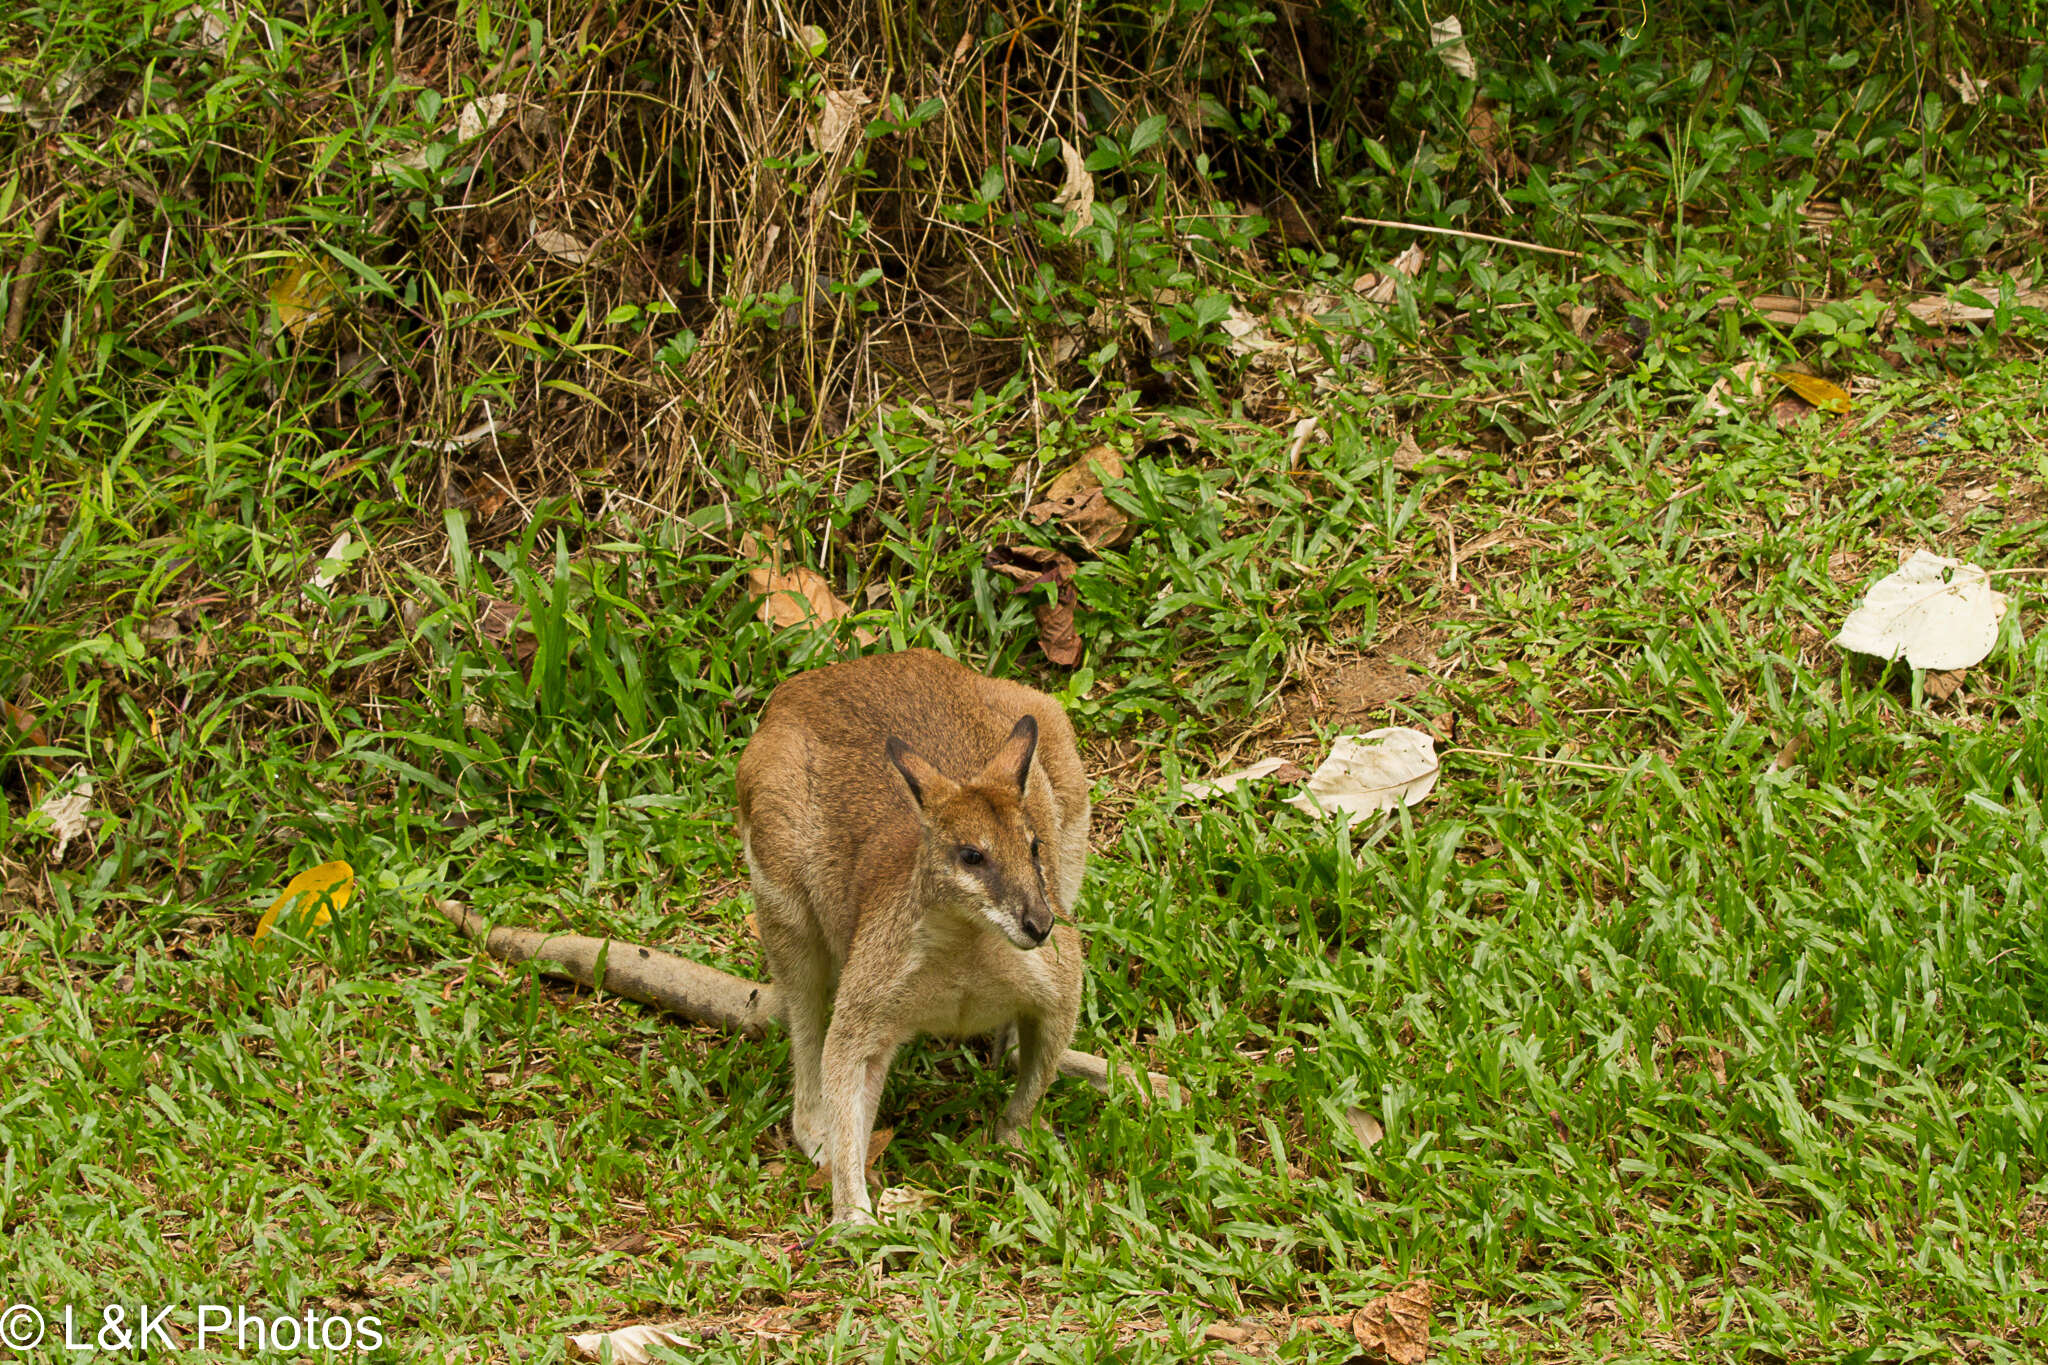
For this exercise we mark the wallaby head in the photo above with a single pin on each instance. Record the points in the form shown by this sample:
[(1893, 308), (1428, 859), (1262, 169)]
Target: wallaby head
[(980, 855)]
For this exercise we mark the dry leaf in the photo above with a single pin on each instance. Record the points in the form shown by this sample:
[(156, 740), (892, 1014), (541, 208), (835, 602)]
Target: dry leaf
[(59, 95), (1365, 1127), (565, 246), (1944, 684), (1447, 39), (1303, 429), (479, 116), (629, 1345), (1031, 566), (1077, 499), (1815, 390), (1486, 135), (65, 808), (455, 444), (839, 120), (794, 597), (1370, 773), (301, 299), (878, 1142), (27, 730), (1077, 195), (331, 565), (1578, 315), (212, 31), (1410, 262), (1936, 613), (1967, 87), (904, 1199), (1277, 768), (318, 890), (1248, 336), (1395, 1329)]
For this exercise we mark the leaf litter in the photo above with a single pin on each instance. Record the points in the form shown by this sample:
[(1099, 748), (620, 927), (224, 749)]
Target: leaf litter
[(1381, 770), (1936, 613), (1395, 1328), (1076, 498), (1030, 567)]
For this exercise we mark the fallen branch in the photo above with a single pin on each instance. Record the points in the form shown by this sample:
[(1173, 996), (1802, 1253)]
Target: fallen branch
[(689, 990)]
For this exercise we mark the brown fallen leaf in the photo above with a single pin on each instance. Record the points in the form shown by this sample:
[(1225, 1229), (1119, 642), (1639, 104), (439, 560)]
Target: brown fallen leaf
[(878, 1142), (1485, 132), (1395, 1329), (1942, 685), (628, 1244), (629, 1345), (1031, 566), (23, 729), (799, 596), (1077, 498), (1365, 1128), (840, 120)]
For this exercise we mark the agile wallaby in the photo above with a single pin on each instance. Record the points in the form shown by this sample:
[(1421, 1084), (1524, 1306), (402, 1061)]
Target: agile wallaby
[(916, 834)]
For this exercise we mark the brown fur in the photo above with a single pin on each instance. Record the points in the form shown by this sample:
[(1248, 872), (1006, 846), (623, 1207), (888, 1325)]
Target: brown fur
[(864, 905)]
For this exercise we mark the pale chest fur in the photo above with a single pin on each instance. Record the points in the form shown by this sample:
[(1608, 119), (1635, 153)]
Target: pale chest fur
[(961, 980)]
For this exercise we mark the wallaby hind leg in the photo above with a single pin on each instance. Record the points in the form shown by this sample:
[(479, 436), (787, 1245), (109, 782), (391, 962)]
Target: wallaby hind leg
[(801, 968), (1039, 1046)]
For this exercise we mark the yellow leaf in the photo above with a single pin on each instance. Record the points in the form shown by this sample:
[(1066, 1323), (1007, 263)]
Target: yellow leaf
[(302, 299), (1814, 390), (319, 889)]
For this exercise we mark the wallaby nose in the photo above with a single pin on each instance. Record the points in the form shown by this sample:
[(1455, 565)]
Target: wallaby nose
[(1037, 925)]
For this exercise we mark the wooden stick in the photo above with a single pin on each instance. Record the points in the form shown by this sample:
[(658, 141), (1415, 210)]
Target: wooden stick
[(689, 990), (1468, 236)]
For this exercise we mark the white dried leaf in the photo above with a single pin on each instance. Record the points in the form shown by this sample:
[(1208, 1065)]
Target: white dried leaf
[(453, 445), (1934, 612), (331, 563), (212, 34), (565, 246), (1365, 1127), (840, 119), (1409, 263), (479, 116), (1968, 88), (1217, 786), (1303, 429), (1370, 773), (904, 1199), (629, 1344), (1077, 195), (1248, 336), (65, 809), (1447, 38)]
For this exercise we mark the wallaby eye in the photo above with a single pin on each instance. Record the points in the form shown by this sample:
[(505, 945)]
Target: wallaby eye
[(972, 856)]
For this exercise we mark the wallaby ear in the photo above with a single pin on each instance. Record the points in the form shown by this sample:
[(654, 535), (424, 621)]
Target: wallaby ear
[(926, 783), (1012, 762)]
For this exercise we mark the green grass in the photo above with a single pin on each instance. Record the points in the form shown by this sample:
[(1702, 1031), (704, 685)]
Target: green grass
[(1704, 1004)]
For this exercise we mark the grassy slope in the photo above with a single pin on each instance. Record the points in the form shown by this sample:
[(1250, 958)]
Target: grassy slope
[(1683, 1039)]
